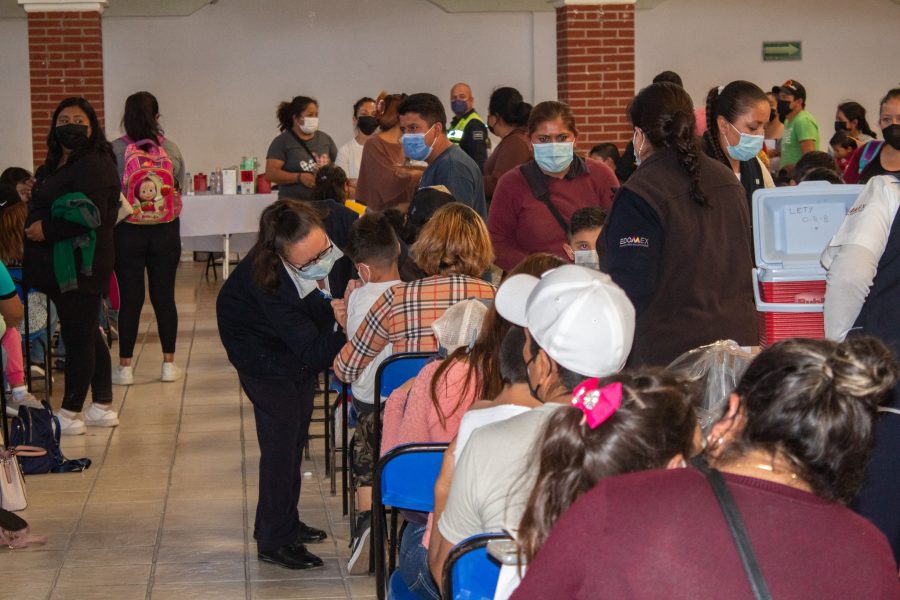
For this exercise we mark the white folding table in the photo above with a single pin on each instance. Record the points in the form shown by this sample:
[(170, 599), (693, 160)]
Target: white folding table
[(208, 222)]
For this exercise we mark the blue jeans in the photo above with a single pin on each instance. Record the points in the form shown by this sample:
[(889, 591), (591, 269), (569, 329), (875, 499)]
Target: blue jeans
[(413, 565)]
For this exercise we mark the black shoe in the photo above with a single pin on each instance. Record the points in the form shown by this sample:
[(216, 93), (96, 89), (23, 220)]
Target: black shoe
[(310, 535), (291, 556)]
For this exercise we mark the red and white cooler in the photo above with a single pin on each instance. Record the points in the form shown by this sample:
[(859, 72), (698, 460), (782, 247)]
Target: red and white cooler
[(792, 227)]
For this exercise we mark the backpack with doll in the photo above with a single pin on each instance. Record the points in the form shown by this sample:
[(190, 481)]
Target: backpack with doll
[(148, 181)]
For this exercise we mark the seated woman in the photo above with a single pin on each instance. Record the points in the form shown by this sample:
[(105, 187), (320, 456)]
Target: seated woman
[(453, 249), (430, 407), (792, 446)]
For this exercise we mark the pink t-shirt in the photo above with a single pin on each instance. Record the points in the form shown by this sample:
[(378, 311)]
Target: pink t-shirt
[(412, 417)]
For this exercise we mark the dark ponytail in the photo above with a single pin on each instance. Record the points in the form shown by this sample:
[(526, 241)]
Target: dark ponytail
[(288, 110), (282, 224), (140, 118), (654, 423), (330, 182), (665, 113), (508, 104), (732, 101)]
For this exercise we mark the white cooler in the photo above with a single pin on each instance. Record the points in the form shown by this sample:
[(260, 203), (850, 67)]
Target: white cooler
[(792, 227)]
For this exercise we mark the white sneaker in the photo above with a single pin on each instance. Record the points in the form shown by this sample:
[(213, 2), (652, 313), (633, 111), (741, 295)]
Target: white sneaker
[(37, 371), (100, 417), (123, 375), (170, 372), (73, 426)]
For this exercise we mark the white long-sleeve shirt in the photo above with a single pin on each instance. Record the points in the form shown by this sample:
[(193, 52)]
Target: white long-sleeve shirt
[(852, 256)]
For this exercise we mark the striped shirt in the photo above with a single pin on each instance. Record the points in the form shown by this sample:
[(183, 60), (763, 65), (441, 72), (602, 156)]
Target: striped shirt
[(403, 316)]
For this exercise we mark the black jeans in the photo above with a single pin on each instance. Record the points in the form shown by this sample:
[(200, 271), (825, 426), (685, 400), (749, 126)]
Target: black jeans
[(87, 355), (156, 249), (283, 408)]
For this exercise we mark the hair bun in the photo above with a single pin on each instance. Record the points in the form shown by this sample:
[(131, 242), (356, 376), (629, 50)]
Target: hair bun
[(862, 368)]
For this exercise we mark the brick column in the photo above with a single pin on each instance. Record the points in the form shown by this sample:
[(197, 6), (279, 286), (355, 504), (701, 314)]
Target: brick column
[(65, 58), (595, 66)]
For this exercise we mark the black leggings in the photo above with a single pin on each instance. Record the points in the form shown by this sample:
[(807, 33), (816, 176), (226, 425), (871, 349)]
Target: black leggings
[(156, 248), (87, 355)]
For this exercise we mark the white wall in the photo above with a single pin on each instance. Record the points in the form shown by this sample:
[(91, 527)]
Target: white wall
[(220, 73), (850, 49), (15, 100)]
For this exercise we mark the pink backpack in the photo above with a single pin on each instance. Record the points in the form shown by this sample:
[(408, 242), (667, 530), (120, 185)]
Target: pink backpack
[(148, 182)]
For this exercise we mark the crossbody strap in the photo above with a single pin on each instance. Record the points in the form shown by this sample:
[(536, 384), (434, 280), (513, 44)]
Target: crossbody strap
[(736, 526), (303, 143), (539, 190)]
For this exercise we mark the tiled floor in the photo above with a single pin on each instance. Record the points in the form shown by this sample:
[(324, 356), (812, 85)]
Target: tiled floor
[(166, 510)]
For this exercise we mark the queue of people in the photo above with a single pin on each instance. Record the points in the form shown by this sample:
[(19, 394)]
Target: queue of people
[(565, 429)]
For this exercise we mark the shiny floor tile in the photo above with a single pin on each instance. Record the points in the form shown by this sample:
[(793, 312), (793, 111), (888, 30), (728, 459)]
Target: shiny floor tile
[(166, 510)]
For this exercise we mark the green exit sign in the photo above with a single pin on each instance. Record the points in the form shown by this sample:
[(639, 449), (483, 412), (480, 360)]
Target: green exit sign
[(782, 51)]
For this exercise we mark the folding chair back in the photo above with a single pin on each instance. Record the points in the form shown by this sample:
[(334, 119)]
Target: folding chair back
[(470, 573), (404, 479), (396, 370)]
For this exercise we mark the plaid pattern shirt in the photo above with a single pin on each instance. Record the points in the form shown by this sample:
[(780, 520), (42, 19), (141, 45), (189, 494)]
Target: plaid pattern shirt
[(403, 316)]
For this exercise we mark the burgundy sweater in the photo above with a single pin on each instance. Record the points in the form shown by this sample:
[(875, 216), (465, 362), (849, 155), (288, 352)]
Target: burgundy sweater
[(661, 534), (520, 224)]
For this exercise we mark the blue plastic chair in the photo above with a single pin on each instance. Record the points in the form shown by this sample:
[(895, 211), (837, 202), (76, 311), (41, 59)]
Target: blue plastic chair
[(404, 479), (470, 573), (393, 372)]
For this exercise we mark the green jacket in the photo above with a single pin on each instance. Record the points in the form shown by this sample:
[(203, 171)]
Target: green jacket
[(76, 208)]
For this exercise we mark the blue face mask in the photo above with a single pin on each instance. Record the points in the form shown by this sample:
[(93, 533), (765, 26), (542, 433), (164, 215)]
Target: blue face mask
[(554, 157), (320, 269), (459, 107), (414, 145), (748, 146)]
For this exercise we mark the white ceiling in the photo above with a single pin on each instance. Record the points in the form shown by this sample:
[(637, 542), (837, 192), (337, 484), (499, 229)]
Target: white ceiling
[(10, 9)]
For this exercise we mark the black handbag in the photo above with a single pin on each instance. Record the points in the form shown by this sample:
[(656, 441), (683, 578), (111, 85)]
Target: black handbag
[(736, 527)]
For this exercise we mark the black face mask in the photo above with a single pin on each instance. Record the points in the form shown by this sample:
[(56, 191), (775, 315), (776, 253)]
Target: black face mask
[(532, 390), (892, 136), (772, 115), (784, 109), (367, 125), (72, 136), (840, 126)]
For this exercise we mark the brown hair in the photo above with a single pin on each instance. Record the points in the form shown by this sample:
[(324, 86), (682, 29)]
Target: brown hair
[(12, 233), (813, 402), (455, 240), (483, 359), (386, 109), (654, 423), (282, 224), (549, 111)]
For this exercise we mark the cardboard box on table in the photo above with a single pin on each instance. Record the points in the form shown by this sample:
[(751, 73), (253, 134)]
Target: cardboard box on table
[(791, 228)]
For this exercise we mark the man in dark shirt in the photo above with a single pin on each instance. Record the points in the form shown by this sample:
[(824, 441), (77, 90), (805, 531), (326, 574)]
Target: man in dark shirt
[(467, 128), (448, 165)]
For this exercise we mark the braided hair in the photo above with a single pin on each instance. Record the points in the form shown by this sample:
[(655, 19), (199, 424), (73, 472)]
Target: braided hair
[(665, 113), (728, 102)]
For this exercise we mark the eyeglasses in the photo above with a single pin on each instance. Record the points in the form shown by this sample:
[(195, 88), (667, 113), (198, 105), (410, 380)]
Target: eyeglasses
[(313, 261)]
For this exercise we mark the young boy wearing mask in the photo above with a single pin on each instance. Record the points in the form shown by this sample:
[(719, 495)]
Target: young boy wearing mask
[(584, 229)]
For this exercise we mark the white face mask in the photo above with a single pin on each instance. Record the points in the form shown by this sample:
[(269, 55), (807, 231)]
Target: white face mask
[(310, 125), (587, 258)]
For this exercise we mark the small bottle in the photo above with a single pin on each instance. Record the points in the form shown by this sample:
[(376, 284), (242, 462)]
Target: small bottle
[(211, 186), (188, 186), (219, 181)]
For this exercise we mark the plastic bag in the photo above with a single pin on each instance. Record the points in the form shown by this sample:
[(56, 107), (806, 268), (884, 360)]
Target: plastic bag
[(718, 367)]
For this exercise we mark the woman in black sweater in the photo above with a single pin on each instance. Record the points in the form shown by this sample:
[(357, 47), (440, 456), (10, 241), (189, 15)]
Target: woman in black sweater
[(278, 328), (80, 164)]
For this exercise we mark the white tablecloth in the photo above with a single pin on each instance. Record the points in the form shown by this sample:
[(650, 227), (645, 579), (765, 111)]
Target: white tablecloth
[(218, 223)]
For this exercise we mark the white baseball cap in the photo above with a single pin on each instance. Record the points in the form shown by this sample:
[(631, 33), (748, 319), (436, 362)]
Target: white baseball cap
[(583, 320)]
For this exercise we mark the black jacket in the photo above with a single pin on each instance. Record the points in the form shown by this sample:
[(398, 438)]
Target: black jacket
[(95, 176), (278, 335)]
